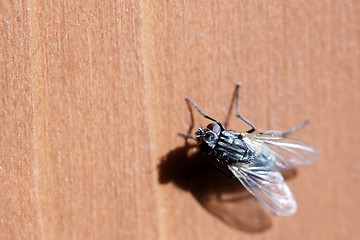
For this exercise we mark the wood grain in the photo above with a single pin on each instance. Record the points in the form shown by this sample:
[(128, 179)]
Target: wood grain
[(92, 99)]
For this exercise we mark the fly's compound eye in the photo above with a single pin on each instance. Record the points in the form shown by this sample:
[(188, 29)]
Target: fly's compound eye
[(214, 127)]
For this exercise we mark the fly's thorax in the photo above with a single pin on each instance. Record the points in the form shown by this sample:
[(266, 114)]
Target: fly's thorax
[(208, 137), (231, 148)]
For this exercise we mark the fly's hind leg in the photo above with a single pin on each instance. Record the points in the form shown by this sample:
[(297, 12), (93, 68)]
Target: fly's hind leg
[(287, 132)]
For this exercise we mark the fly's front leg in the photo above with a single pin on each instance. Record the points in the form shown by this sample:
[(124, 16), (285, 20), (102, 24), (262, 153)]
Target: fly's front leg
[(205, 115), (189, 103), (238, 113)]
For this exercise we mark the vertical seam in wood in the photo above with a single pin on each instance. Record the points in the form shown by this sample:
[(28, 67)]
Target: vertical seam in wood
[(148, 54), (37, 107)]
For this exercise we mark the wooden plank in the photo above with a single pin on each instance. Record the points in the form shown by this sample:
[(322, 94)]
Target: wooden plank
[(18, 199), (92, 99)]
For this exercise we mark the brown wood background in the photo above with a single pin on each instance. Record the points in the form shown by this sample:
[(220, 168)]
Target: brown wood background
[(92, 99)]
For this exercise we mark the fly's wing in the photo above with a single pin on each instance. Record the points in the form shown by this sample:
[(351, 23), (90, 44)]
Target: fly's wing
[(286, 153), (265, 182)]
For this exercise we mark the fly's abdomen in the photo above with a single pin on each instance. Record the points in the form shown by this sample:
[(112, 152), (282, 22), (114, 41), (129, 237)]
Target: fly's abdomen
[(231, 148)]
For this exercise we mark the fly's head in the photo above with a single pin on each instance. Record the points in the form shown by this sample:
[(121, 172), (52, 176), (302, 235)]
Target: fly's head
[(207, 137)]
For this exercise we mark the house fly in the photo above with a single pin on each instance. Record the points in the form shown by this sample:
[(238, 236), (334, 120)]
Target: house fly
[(257, 159)]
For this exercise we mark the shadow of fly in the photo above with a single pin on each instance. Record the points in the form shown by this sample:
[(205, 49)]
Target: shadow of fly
[(256, 159)]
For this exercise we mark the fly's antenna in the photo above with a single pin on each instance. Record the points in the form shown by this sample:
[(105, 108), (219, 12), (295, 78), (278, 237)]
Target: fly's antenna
[(204, 115)]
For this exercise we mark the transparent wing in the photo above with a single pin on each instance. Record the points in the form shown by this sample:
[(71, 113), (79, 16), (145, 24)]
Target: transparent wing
[(287, 153), (265, 182)]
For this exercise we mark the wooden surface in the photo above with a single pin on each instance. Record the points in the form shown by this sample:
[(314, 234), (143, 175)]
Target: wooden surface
[(92, 99)]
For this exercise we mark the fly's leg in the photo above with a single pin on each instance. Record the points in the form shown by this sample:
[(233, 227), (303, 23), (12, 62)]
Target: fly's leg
[(187, 135), (229, 113), (204, 115), (238, 113), (287, 132)]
